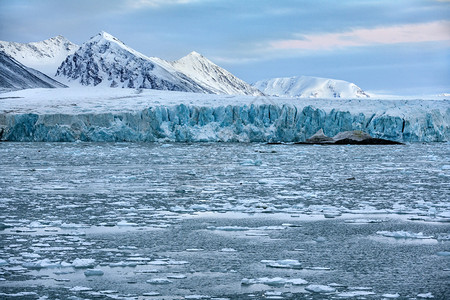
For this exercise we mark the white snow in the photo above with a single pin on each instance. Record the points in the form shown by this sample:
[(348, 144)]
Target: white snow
[(84, 100), (206, 73), (425, 295), (310, 87), (45, 56)]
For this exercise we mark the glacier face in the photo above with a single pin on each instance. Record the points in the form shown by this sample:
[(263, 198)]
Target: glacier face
[(310, 87), (232, 123)]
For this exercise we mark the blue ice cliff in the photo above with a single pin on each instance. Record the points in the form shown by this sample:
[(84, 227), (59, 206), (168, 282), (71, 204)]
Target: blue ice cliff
[(232, 123)]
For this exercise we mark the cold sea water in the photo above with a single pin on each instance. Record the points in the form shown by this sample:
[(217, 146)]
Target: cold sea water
[(224, 221)]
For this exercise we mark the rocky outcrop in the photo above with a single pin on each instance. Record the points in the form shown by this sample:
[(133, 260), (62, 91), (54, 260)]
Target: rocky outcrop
[(354, 137)]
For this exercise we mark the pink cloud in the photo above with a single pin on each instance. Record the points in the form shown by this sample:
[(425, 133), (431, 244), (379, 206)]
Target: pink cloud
[(409, 33)]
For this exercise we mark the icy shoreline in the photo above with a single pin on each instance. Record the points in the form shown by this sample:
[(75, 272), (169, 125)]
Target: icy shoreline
[(103, 116)]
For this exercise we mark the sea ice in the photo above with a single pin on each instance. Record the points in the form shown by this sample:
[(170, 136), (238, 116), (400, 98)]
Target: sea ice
[(284, 263), (355, 294), (391, 296), (317, 288), (425, 295), (83, 263), (276, 281), (93, 272), (159, 281), (404, 234)]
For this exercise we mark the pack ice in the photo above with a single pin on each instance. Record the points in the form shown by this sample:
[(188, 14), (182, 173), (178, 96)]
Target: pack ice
[(109, 115)]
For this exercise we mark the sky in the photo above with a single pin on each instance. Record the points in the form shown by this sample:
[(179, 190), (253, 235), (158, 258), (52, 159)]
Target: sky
[(397, 47)]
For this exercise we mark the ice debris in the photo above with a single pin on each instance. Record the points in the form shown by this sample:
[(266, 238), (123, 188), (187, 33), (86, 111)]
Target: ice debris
[(93, 272), (404, 234), (276, 281), (318, 288), (283, 264)]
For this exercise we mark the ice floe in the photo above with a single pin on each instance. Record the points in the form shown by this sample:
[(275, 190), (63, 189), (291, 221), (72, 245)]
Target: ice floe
[(93, 272), (283, 264), (276, 281), (83, 263), (159, 281), (318, 288), (404, 235)]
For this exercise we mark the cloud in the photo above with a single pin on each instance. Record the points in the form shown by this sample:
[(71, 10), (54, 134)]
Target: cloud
[(408, 33)]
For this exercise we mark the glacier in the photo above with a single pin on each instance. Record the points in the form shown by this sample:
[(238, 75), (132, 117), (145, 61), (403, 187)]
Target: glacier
[(230, 123)]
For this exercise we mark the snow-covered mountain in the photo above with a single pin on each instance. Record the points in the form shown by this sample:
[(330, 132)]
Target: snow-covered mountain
[(45, 56), (310, 87), (106, 61), (16, 76), (206, 73)]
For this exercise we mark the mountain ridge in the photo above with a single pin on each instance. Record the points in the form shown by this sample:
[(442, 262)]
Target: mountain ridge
[(309, 87)]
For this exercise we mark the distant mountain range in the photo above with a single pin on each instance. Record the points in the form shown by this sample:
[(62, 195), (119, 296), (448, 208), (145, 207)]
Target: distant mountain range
[(105, 61), (45, 56), (16, 76), (310, 87)]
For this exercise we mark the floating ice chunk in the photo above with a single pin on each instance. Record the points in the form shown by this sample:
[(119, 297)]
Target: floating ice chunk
[(200, 207), (177, 276), (443, 253), (276, 281), (83, 263), (256, 234), (151, 294), (404, 234), (298, 281), (125, 223), (42, 264), (391, 296), (229, 228), (355, 294), (228, 250), (123, 264), (332, 214), (251, 162), (283, 264), (36, 224), (18, 295), (195, 249), (363, 221), (80, 289), (318, 268), (73, 226), (93, 272), (28, 255), (318, 288), (147, 271), (3, 262), (291, 225), (197, 297), (425, 295), (159, 281)]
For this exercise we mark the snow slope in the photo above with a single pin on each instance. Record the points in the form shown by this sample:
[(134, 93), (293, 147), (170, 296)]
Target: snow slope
[(15, 76), (45, 56), (310, 87), (206, 73), (95, 114), (104, 60)]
